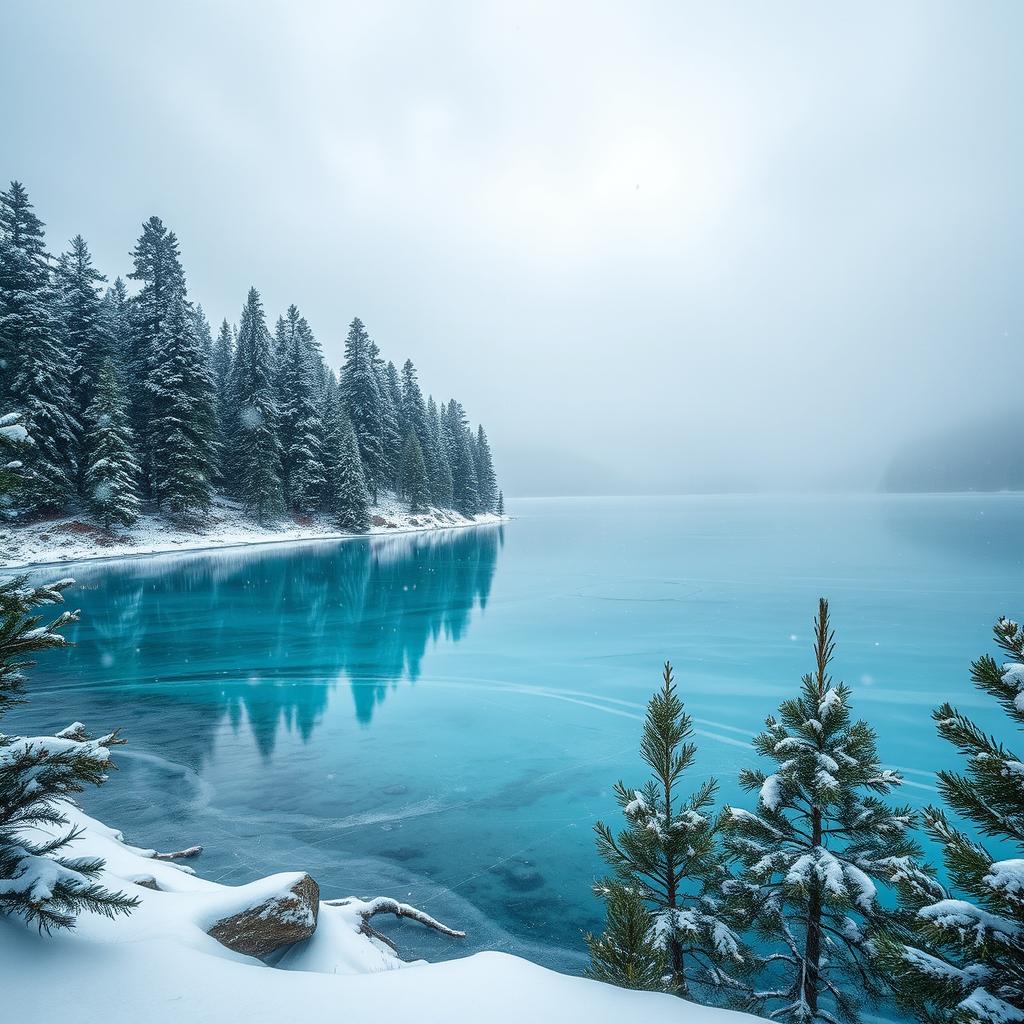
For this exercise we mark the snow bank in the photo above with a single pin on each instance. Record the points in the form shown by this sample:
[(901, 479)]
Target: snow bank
[(159, 966), (73, 540)]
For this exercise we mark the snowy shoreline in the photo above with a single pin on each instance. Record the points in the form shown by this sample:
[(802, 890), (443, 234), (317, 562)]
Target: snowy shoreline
[(165, 967), (70, 540)]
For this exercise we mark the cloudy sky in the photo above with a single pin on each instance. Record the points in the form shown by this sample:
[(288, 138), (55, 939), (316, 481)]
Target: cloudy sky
[(654, 247)]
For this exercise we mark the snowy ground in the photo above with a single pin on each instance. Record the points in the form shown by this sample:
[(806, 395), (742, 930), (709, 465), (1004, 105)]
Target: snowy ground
[(160, 966), (75, 539)]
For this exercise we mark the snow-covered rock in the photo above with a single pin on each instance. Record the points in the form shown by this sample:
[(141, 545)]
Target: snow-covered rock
[(282, 910)]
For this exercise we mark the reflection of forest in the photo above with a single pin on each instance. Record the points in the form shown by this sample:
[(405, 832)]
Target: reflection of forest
[(264, 635)]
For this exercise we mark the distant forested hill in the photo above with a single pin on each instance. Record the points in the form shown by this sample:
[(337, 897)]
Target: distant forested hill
[(981, 456)]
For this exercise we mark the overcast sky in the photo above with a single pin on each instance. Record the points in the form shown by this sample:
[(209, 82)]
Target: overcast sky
[(653, 247)]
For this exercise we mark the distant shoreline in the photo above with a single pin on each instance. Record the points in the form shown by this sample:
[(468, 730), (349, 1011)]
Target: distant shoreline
[(35, 546)]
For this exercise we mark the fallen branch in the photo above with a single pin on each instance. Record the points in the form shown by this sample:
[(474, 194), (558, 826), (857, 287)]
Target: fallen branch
[(386, 905), (192, 851)]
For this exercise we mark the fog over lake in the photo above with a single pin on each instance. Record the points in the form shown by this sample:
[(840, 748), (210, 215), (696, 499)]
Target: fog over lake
[(679, 247)]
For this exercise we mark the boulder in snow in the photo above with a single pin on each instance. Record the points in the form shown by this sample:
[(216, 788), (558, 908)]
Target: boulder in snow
[(276, 921)]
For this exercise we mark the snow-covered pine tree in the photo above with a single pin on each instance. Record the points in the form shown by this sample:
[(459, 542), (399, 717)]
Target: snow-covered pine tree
[(486, 481), (361, 395), (500, 510), (203, 335), (14, 438), (110, 471), (392, 438), (414, 417), (302, 430), (333, 415), (413, 478), (41, 883), (627, 953), (253, 440), (441, 482), (157, 264), (85, 339), (115, 318), (35, 377), (963, 962), (352, 505), (183, 452), (813, 852), (669, 855), (459, 446), (220, 363)]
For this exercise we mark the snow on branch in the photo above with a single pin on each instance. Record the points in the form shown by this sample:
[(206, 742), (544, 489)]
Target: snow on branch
[(366, 909)]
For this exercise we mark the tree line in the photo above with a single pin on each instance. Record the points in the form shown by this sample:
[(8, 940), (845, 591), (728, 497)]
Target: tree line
[(817, 901), (120, 402)]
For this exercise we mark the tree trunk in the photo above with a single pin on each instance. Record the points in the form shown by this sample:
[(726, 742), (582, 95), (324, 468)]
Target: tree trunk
[(812, 948)]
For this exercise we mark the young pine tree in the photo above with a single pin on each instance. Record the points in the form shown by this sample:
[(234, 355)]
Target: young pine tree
[(668, 854), (110, 471), (41, 883), (627, 953), (813, 851), (500, 509), (964, 960)]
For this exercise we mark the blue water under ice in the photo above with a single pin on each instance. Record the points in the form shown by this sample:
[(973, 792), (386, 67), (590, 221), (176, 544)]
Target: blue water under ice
[(440, 717)]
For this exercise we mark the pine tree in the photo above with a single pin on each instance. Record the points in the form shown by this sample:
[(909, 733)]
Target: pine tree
[(413, 477), (85, 338), (14, 439), (668, 853), (501, 503), (157, 264), (254, 446), (351, 510), (814, 850), (457, 444), (441, 483), (220, 364), (302, 430), (203, 335), (183, 452), (486, 481), (414, 416), (35, 377), (115, 318), (110, 470), (627, 954), (37, 774), (963, 961), (361, 394), (392, 444)]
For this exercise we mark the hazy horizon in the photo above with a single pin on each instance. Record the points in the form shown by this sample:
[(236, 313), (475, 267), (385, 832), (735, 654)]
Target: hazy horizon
[(676, 249)]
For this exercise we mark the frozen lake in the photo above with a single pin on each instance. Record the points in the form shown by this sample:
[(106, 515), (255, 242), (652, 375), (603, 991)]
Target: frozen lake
[(441, 717)]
